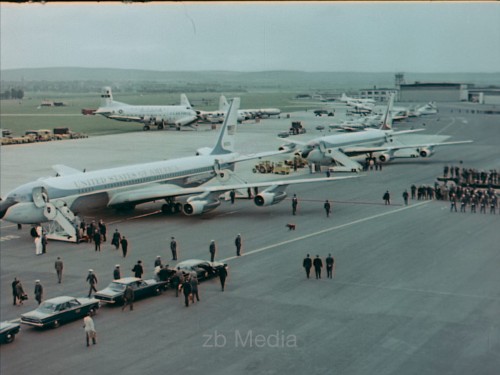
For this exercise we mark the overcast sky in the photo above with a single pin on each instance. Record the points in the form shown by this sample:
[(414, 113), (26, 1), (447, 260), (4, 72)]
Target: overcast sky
[(325, 36)]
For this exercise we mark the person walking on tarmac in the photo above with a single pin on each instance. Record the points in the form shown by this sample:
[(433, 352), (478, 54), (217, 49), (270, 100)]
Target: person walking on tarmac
[(328, 208), (186, 289), (173, 248), (128, 298), (237, 243), (116, 239), (307, 264), (222, 277), (124, 244), (92, 280), (405, 197), (387, 197), (295, 203), (38, 291), (212, 249), (330, 263), (318, 265)]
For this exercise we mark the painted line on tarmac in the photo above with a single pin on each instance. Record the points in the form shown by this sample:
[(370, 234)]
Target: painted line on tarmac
[(265, 248), (415, 290)]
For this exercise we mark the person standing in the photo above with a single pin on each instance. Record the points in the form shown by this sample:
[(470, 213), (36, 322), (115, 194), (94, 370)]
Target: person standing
[(330, 263), (387, 197), (38, 245), (138, 270), (413, 191), (328, 208), (116, 273), (44, 242), (173, 248), (21, 295), (453, 203), (194, 287), (212, 249), (97, 240), (124, 244), (102, 230), (14, 291), (177, 280), (232, 195), (38, 291), (318, 265), (58, 265), (186, 289), (128, 298), (90, 332), (295, 203), (307, 264), (405, 197), (222, 277), (237, 243), (92, 280), (157, 262), (116, 239)]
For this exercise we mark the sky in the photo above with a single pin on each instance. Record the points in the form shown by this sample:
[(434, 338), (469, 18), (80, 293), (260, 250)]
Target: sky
[(253, 36)]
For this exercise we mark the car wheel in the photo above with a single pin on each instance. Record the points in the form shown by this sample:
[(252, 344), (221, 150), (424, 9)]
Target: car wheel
[(9, 338), (56, 324), (93, 311), (157, 291)]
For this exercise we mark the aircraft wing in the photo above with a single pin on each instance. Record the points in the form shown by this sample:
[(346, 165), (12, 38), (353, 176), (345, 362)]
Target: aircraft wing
[(126, 118), (162, 191), (359, 150)]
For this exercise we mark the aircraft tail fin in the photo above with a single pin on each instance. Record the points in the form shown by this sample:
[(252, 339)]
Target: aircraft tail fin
[(223, 104), (185, 101), (387, 119), (227, 135), (106, 97)]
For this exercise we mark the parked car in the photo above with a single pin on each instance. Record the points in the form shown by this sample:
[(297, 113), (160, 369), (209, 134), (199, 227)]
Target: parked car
[(204, 269), (113, 293), (8, 331), (55, 311)]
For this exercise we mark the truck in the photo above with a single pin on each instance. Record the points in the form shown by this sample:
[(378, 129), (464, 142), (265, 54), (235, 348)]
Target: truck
[(66, 133), (296, 128)]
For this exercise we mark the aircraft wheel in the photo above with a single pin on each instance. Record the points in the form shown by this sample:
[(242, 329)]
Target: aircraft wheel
[(160, 127), (145, 127)]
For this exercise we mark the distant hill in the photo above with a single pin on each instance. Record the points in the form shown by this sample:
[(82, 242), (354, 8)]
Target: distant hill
[(248, 80)]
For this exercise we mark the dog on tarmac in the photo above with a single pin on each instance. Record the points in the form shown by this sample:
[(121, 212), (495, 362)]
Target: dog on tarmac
[(290, 226)]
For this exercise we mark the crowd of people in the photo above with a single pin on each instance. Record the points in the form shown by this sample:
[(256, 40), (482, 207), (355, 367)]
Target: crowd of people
[(471, 176)]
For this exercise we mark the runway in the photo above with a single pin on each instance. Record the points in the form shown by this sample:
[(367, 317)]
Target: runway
[(415, 288)]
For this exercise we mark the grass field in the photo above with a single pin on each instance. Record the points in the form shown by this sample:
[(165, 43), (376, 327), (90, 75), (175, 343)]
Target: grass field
[(27, 114)]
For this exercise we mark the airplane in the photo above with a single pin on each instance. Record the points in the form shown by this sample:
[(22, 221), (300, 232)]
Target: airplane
[(217, 116), (149, 115), (253, 113), (427, 109), (180, 182), (353, 101), (340, 148)]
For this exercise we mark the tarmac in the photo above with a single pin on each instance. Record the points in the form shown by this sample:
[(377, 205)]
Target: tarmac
[(416, 288)]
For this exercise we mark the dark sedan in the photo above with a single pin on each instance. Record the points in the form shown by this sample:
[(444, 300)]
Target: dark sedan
[(55, 311), (204, 269), (8, 331), (113, 293)]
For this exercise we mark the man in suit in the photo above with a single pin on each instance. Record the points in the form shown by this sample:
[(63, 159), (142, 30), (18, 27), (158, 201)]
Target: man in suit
[(318, 265), (307, 264)]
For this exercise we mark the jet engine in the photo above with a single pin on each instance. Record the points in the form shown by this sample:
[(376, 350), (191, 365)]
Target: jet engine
[(186, 121), (287, 147), (384, 157), (269, 197), (200, 204), (425, 152)]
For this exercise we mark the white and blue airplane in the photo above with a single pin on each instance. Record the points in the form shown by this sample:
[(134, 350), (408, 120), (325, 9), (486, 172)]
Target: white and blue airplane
[(339, 148), (148, 115), (180, 182)]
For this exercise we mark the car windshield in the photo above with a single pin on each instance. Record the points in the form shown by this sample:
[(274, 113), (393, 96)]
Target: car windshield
[(117, 287), (47, 307)]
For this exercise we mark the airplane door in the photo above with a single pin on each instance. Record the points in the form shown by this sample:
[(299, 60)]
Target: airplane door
[(40, 196)]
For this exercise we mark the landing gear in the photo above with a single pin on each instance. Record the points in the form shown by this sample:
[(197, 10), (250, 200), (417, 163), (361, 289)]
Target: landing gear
[(160, 126), (171, 208), (146, 127)]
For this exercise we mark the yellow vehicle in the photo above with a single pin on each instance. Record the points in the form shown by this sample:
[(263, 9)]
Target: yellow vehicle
[(264, 167), (41, 135), (281, 168)]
